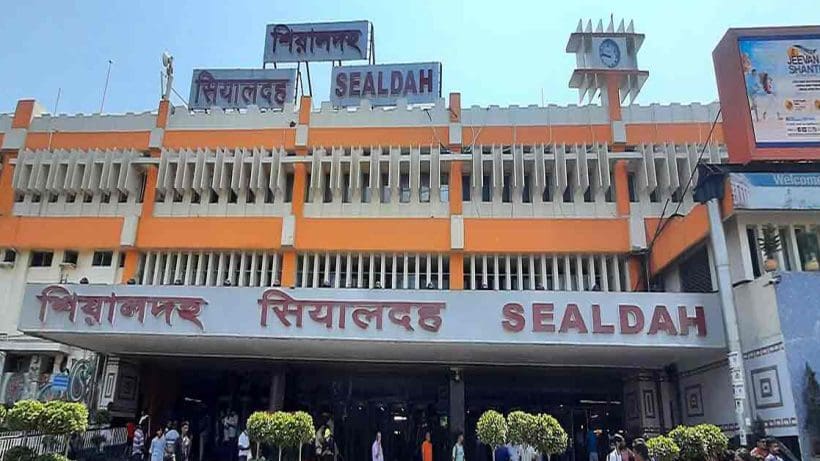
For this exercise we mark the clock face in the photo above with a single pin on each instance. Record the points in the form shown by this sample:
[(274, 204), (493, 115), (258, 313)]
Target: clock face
[(610, 53)]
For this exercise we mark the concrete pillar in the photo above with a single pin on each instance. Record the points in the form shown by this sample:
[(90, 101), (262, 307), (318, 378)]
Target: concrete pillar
[(457, 408), (643, 414), (277, 389)]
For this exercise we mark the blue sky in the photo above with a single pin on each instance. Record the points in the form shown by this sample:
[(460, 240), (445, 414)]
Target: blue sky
[(493, 52)]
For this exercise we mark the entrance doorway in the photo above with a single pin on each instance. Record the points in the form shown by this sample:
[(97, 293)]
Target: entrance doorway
[(402, 402)]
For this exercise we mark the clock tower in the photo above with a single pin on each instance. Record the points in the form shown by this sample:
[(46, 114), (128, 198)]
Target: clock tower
[(607, 64)]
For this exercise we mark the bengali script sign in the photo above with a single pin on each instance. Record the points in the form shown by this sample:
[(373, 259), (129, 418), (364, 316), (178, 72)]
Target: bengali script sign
[(58, 299), (363, 313), (240, 88), (329, 41), (385, 84)]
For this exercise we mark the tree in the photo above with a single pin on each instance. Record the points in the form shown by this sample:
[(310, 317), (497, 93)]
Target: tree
[(546, 435), (283, 431), (491, 429), (714, 440), (662, 448), (518, 424), (304, 430), (260, 429)]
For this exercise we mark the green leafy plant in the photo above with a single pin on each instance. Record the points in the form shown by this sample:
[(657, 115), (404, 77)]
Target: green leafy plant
[(260, 429), (25, 415), (491, 429), (283, 431), (304, 429), (546, 435), (704, 441), (60, 417), (518, 427), (663, 448), (101, 418), (3, 413), (769, 241), (21, 453)]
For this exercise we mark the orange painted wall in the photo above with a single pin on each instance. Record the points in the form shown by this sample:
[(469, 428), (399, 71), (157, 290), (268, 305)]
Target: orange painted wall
[(210, 233), (193, 139), (546, 235), (385, 137), (672, 132), (23, 113), (60, 233), (90, 140), (569, 134), (373, 234), (6, 191)]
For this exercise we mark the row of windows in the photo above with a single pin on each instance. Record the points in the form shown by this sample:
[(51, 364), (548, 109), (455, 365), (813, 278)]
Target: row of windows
[(102, 258), (546, 272), (799, 244), (203, 268), (373, 270)]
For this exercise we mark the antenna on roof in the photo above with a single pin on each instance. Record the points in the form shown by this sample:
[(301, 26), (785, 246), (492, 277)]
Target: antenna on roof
[(51, 119), (105, 89), (168, 64)]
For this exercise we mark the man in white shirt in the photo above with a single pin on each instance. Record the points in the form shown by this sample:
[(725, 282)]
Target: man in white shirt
[(244, 444), (620, 445)]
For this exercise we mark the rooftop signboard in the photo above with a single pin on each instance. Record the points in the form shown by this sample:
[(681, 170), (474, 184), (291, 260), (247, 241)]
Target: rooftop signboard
[(385, 84), (327, 41), (240, 88), (769, 86)]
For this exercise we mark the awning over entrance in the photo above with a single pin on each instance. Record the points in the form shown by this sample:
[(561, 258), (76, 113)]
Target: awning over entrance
[(482, 327)]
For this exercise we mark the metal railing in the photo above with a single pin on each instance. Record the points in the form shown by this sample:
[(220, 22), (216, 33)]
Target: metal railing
[(80, 445)]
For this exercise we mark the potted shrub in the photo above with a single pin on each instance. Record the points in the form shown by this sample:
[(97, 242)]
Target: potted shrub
[(304, 429), (701, 442), (259, 429), (25, 416), (518, 424), (546, 435), (662, 448), (770, 245), (491, 429), (283, 433)]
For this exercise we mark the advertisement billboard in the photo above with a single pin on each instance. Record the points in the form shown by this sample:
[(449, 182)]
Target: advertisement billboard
[(240, 88), (327, 41), (385, 84), (768, 81), (782, 80)]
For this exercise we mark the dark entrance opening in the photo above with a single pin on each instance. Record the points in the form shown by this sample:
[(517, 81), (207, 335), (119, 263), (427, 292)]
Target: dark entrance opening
[(403, 402)]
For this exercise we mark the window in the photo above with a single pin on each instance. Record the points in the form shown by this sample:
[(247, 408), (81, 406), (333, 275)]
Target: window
[(195, 197), (41, 258), (105, 197), (404, 188), (9, 255), (609, 195), (385, 188), (327, 192), (807, 244), (486, 189), (506, 191), (568, 195), (71, 257), (88, 198), (784, 238), (444, 189), (35, 197), (213, 196), (424, 188), (102, 258), (52, 197), (630, 183), (466, 187), (546, 194), (526, 193), (366, 191), (121, 260), (751, 235), (269, 196), (654, 197), (18, 197), (231, 196), (122, 197), (346, 188), (288, 187), (250, 197)]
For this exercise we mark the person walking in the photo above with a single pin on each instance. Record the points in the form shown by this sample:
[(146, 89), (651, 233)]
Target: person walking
[(185, 442), (171, 442), (137, 444), (376, 449), (427, 448), (158, 446), (458, 448), (619, 451), (244, 445)]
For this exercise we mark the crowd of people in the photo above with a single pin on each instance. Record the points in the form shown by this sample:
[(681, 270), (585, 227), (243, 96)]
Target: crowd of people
[(167, 444)]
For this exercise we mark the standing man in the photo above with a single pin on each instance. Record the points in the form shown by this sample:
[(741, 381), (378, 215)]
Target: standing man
[(592, 445), (138, 444), (774, 450), (427, 448), (244, 446), (376, 449)]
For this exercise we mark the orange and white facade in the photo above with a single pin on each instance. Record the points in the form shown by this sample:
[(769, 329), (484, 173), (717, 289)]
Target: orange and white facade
[(536, 205)]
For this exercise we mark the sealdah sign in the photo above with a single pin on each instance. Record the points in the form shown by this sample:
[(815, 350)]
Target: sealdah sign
[(631, 320), (385, 84)]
